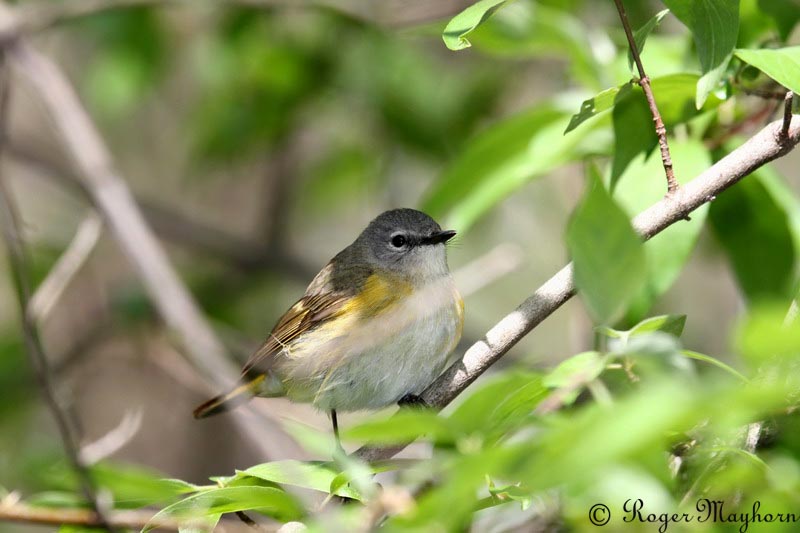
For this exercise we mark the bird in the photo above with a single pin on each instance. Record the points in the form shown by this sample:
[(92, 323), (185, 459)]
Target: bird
[(374, 327)]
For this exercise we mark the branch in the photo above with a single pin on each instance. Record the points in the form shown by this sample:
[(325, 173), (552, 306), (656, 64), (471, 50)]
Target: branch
[(762, 148), (113, 199), (68, 265), (133, 519), (644, 82), (240, 252), (18, 261), (787, 114), (123, 217)]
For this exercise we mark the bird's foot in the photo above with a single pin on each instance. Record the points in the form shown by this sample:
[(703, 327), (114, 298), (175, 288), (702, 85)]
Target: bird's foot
[(412, 400)]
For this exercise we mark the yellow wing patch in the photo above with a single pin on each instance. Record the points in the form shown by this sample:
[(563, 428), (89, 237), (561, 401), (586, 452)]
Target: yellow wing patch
[(378, 294)]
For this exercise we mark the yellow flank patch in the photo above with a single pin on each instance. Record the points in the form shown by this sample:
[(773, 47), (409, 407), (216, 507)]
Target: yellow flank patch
[(378, 294), (460, 326)]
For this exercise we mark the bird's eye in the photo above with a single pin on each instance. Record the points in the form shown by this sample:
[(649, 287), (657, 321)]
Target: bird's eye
[(398, 241)]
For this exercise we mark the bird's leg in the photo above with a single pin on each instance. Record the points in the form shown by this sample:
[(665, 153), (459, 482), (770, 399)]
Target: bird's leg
[(335, 423), (412, 400)]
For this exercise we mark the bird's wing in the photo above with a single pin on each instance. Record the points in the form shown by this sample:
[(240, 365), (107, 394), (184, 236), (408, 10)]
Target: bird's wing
[(320, 302)]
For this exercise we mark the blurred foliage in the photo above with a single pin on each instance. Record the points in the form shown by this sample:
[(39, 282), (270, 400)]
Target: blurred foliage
[(130, 61), (637, 416)]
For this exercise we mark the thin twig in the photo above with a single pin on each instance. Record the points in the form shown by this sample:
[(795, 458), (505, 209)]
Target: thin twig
[(787, 114), (114, 440), (644, 82), (68, 265), (18, 261), (762, 148)]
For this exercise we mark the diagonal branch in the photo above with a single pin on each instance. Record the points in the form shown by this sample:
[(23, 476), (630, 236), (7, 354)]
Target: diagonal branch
[(644, 82), (113, 198), (124, 219), (68, 265), (18, 261), (762, 148), (173, 226)]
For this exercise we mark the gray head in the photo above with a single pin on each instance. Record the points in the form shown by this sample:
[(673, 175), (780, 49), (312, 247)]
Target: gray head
[(407, 242)]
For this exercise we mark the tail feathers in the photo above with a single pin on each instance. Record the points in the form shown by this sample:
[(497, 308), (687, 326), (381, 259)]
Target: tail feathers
[(229, 400)]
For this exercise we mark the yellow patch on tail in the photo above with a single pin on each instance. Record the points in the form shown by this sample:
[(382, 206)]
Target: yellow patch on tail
[(229, 400)]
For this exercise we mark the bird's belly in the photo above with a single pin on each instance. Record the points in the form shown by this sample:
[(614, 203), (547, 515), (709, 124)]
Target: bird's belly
[(379, 360)]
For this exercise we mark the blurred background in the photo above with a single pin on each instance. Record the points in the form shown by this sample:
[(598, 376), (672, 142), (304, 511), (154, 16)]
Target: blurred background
[(258, 142)]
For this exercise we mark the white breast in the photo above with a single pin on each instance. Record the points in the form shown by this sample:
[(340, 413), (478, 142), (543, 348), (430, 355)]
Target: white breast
[(384, 358)]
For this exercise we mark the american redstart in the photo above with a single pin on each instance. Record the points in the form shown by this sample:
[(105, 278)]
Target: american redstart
[(373, 328)]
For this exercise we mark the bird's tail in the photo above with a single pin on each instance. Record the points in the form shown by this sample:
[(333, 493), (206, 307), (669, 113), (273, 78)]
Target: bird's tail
[(229, 400)]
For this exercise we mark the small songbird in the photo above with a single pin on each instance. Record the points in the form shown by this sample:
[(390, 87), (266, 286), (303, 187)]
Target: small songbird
[(373, 328)]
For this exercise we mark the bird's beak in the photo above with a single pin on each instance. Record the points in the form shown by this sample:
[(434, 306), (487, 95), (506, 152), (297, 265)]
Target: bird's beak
[(440, 237)]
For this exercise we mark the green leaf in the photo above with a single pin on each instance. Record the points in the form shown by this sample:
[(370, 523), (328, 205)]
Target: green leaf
[(405, 426), (642, 185), (782, 64), (608, 256), (672, 324), (212, 503), (640, 35), (754, 230), (602, 101), (574, 373), (715, 27), (611, 333), (498, 404), (716, 362), (513, 410), (360, 473), (311, 475), (502, 159), (131, 485), (512, 492), (456, 31)]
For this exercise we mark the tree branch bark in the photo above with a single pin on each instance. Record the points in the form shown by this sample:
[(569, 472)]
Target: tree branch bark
[(765, 146), (18, 261)]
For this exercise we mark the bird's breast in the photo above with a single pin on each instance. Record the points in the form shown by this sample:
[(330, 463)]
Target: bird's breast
[(394, 340)]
